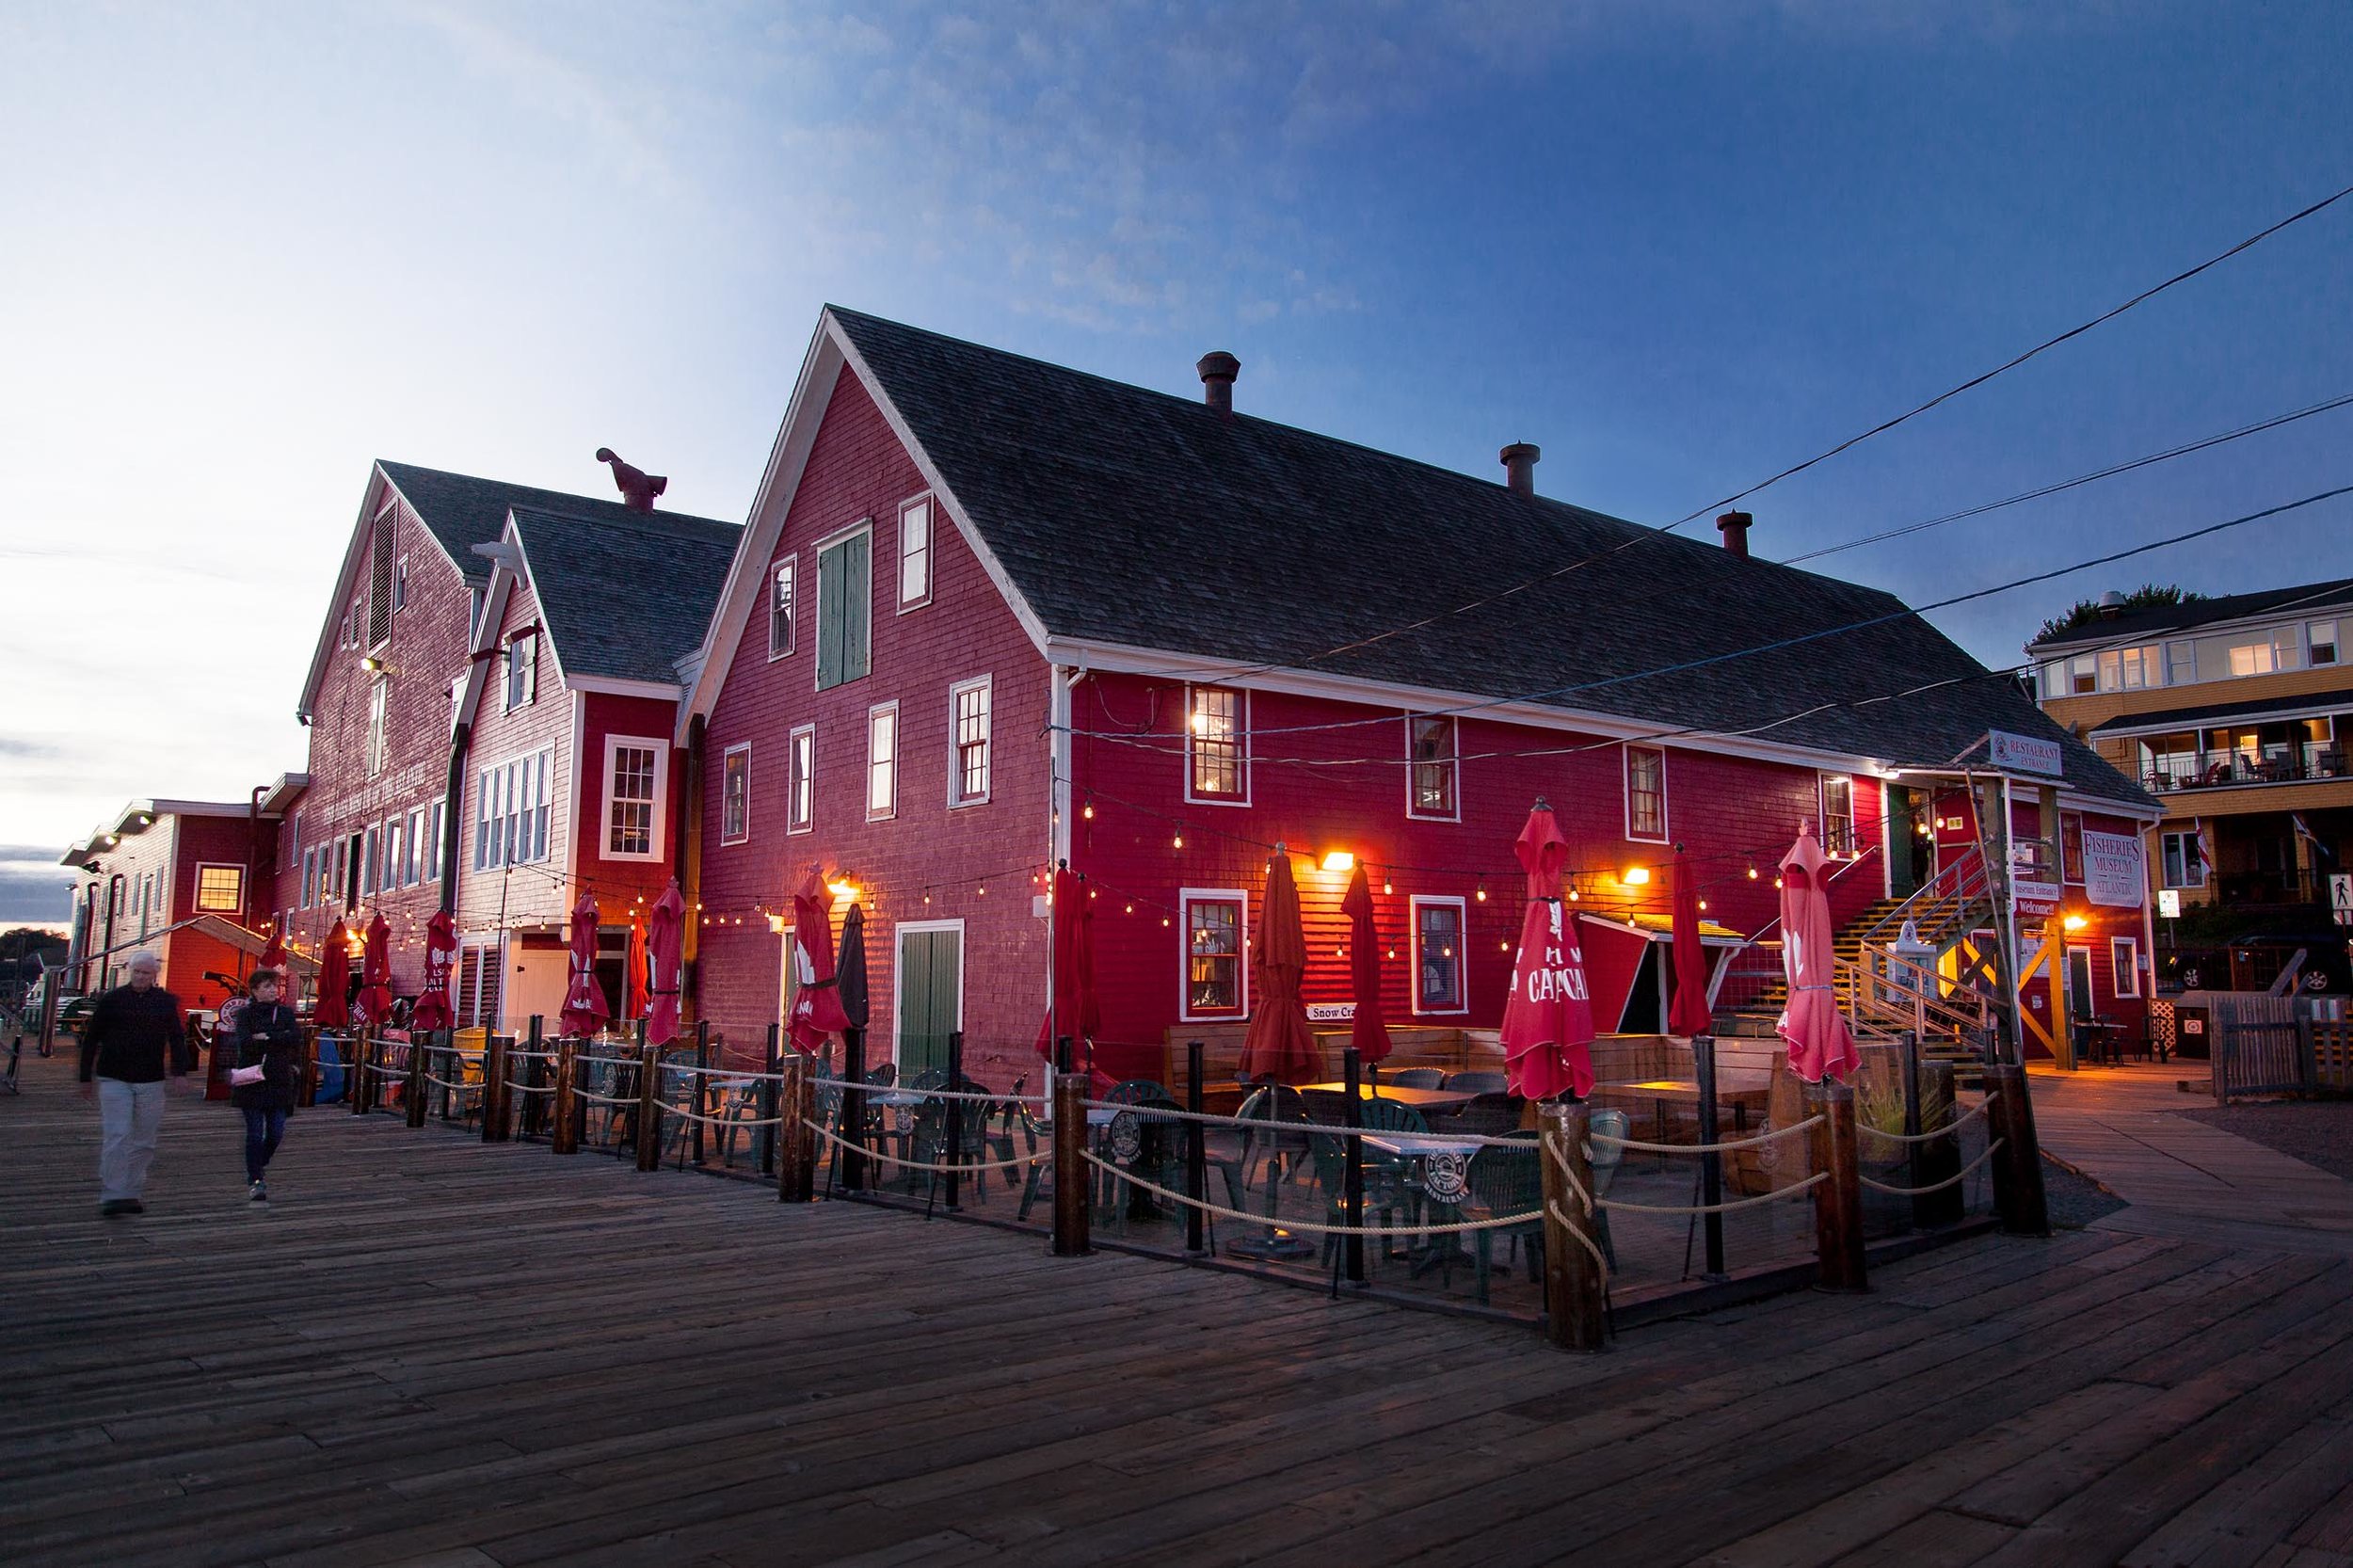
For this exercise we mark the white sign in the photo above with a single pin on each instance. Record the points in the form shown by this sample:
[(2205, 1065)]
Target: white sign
[(2341, 896), (2114, 872), (2024, 753), (2033, 901), (2170, 902), (1330, 1012)]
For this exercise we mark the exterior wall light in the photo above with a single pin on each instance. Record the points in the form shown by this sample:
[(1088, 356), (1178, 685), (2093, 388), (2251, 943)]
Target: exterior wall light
[(1636, 876), (1338, 860), (842, 887), (2074, 923)]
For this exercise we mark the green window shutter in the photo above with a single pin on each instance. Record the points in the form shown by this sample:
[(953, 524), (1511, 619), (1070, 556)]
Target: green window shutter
[(830, 641), (857, 579)]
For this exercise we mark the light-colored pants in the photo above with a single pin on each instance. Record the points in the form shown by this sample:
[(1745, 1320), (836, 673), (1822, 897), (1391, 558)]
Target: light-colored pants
[(131, 1115)]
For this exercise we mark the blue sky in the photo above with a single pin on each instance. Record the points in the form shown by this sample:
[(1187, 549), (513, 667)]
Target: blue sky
[(1678, 243)]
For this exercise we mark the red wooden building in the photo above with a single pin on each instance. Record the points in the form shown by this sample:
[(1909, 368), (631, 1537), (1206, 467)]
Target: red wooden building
[(989, 613), (490, 705)]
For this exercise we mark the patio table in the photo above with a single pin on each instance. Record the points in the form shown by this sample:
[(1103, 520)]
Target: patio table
[(1420, 1099), (1445, 1181)]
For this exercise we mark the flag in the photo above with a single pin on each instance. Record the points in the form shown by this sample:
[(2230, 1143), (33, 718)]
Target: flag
[(2303, 831)]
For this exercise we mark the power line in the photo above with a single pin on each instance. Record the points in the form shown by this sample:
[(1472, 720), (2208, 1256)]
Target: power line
[(1778, 645)]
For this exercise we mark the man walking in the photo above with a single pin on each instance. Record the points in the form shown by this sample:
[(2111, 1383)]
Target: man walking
[(133, 1038)]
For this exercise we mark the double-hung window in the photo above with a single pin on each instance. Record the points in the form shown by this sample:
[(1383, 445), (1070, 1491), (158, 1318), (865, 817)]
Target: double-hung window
[(221, 889), (735, 794), (1217, 745), (1838, 814), (380, 724), (522, 670), (968, 707), (511, 811), (845, 598), (2124, 966), (371, 860), (2131, 669), (635, 788), (882, 761), (395, 852), (800, 782), (1432, 767), (1216, 973), (2071, 846), (2320, 640), (780, 608), (2185, 862), (310, 878), (2181, 664), (1646, 794), (1438, 954), (915, 552)]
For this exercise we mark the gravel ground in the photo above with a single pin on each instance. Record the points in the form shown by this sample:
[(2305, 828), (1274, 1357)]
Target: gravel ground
[(2074, 1201), (2319, 1132)]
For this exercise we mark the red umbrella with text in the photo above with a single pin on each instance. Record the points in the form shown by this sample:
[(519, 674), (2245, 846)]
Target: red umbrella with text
[(1691, 1013), (817, 1000), (334, 1008), (1549, 1022), (1279, 1046), (440, 955), (636, 999), (1369, 1032), (1820, 1044), (376, 972), (585, 1010), (666, 947)]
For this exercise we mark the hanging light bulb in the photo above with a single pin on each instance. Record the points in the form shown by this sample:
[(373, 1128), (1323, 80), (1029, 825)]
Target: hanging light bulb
[(1180, 838), (1482, 892), (1386, 886), (983, 890), (927, 895), (1131, 910), (1751, 871), (1163, 921), (1506, 945), (1088, 810), (1777, 882), (1393, 952), (1574, 894), (1095, 892), (1703, 907)]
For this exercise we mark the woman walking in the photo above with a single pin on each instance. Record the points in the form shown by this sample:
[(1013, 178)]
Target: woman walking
[(269, 1043)]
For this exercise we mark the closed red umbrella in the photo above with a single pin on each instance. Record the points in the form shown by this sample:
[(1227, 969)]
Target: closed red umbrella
[(274, 956), (1369, 1032), (1820, 1044), (1279, 1046), (440, 955), (1549, 1022), (1072, 1009), (816, 1001), (585, 1007), (334, 1010), (1691, 1014), (636, 999), (666, 947), (376, 972)]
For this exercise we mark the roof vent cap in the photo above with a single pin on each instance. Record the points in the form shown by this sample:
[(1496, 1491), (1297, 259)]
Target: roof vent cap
[(1519, 467), (1218, 370), (2111, 604)]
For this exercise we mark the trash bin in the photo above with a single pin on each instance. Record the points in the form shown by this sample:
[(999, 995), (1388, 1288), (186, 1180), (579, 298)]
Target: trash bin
[(2193, 1032)]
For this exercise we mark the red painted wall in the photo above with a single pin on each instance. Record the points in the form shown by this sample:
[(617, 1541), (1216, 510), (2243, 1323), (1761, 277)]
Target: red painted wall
[(426, 653), (1727, 811), (619, 883), (859, 470)]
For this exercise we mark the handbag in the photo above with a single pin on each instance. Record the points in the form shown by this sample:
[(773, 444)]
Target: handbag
[(241, 1076)]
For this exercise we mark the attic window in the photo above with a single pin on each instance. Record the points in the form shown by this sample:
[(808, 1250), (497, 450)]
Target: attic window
[(400, 584), (780, 609), (915, 554), (522, 671)]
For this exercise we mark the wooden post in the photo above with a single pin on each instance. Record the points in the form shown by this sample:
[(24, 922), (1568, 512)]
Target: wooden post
[(1353, 1186), (1939, 1158), (1073, 1179), (1838, 1202), (648, 1104), (1576, 1315), (307, 1090), (563, 1132), (1909, 1043), (537, 1110), (355, 1072), (412, 1091), (1711, 1163), (797, 1166), (2017, 1163), (1196, 1152), (770, 1098), (494, 1049), (952, 1117)]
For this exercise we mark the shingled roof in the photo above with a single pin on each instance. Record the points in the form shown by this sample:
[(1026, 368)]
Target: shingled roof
[(624, 597), (1133, 516), (462, 511), (2305, 597)]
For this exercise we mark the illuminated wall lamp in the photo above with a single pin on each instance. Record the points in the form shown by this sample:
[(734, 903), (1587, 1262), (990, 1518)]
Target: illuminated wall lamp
[(841, 886), (2073, 922), (1338, 860), (1636, 876)]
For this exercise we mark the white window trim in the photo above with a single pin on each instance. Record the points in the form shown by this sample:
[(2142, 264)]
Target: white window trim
[(790, 751), (817, 604), (2188, 837), (1242, 721), (957, 799), (2090, 977), (400, 583), (930, 552), (435, 835), (1454, 760), (898, 757), (1665, 803), (1185, 899), (1412, 951), (899, 968), (743, 749), (1822, 806), (659, 838), (778, 568), (2130, 966), (2081, 869), (506, 673)]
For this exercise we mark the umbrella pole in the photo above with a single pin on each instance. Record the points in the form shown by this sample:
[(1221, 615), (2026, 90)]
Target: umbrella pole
[(1351, 1069), (768, 1098), (1711, 1163)]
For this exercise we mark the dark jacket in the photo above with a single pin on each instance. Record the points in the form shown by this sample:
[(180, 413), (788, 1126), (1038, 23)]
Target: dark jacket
[(271, 1038), (128, 1033)]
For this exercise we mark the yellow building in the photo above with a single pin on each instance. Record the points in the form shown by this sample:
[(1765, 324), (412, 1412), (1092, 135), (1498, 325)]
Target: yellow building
[(2237, 715)]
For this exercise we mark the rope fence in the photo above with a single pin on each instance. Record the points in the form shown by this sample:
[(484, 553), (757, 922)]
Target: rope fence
[(1757, 1141), (880, 1157), (1497, 1223), (1949, 1130), (1952, 1180)]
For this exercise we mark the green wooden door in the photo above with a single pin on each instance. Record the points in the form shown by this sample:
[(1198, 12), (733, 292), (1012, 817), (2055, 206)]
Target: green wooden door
[(931, 988)]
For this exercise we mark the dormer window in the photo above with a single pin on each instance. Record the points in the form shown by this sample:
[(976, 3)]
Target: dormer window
[(522, 670)]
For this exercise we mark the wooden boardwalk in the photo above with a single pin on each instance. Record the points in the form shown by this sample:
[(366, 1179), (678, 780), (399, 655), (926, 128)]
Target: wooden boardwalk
[(432, 1351)]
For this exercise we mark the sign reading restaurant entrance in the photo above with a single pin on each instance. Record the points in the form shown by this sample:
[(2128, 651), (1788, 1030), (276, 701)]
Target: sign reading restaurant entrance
[(2024, 753)]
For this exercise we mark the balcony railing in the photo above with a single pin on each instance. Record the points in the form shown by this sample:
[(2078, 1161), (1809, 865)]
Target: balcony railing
[(2286, 886), (2215, 770)]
